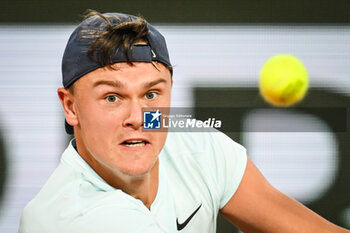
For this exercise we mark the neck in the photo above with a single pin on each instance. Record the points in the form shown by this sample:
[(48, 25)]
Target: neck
[(143, 187)]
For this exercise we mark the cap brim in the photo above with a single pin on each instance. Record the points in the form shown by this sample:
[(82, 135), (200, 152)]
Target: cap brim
[(69, 128)]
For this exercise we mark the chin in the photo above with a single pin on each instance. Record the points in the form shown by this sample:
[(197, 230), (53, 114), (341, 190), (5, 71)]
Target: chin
[(137, 170)]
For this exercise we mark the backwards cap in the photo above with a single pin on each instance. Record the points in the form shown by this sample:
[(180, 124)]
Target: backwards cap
[(78, 61)]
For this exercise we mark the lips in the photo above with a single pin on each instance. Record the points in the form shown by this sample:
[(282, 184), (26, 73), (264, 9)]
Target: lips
[(135, 142)]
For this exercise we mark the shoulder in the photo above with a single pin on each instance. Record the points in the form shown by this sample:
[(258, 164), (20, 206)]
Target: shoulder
[(82, 207), (75, 199), (114, 216), (209, 161)]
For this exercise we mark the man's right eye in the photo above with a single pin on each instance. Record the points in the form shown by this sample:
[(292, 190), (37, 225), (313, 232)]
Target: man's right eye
[(112, 98)]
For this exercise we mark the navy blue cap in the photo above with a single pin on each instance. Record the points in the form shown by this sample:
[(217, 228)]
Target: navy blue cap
[(77, 60)]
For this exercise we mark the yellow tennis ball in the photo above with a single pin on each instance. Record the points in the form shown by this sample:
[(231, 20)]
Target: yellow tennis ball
[(283, 80)]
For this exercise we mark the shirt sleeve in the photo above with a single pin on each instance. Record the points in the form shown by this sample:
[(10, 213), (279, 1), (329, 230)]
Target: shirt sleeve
[(230, 163)]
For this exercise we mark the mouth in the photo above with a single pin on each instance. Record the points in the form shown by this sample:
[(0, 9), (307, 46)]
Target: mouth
[(135, 143)]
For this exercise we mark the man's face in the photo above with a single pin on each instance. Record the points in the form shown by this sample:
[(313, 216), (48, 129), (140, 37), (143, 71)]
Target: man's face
[(108, 106)]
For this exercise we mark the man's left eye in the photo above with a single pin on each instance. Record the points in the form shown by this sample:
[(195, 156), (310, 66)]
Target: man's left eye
[(151, 95), (112, 98)]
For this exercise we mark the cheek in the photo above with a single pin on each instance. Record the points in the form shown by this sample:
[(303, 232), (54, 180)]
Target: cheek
[(164, 102), (160, 138), (93, 117)]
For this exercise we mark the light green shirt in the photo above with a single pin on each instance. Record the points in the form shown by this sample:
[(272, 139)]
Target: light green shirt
[(198, 174)]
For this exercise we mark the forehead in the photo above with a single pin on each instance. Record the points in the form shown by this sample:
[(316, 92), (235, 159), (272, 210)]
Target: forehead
[(137, 73)]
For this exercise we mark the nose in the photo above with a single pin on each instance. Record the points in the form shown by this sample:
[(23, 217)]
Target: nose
[(133, 117)]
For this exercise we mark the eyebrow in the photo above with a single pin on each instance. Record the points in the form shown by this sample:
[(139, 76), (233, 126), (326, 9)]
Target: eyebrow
[(153, 83), (119, 84), (115, 83)]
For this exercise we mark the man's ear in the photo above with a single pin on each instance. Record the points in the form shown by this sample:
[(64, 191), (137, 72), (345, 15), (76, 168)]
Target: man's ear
[(67, 101)]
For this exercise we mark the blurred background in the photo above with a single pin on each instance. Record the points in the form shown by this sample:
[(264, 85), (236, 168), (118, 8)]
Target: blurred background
[(217, 48)]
